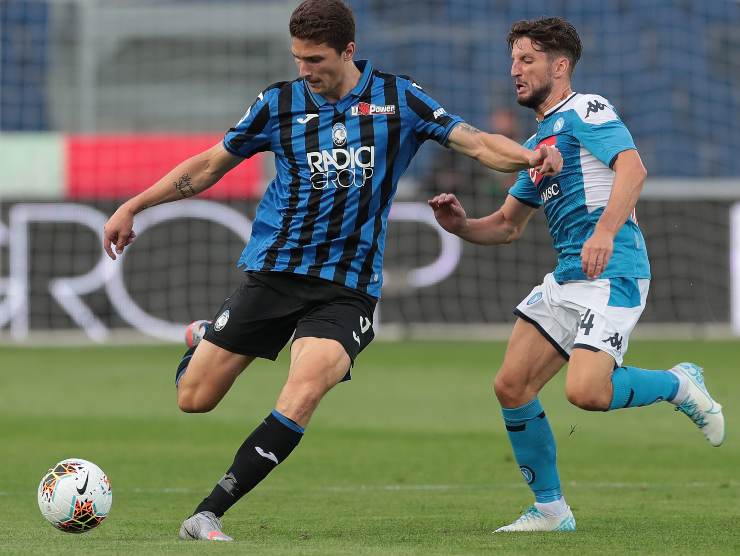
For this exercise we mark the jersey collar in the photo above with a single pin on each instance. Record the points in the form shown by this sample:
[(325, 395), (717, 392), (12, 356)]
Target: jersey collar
[(558, 106), (367, 70)]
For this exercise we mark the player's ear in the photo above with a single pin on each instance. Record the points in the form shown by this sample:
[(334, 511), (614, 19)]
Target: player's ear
[(349, 52), (562, 66)]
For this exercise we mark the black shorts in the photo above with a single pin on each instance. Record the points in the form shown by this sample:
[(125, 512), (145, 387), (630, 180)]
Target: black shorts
[(269, 307)]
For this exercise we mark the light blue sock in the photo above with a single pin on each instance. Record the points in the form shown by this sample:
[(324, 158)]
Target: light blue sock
[(633, 387), (534, 449)]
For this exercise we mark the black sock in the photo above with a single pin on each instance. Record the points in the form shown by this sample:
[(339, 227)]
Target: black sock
[(268, 445)]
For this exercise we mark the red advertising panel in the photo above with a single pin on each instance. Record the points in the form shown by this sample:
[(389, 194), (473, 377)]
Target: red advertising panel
[(117, 166)]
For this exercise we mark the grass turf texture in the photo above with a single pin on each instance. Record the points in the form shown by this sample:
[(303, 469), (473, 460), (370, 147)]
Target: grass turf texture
[(411, 457)]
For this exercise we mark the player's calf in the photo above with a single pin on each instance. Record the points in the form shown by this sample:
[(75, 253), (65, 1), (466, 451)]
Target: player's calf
[(205, 375)]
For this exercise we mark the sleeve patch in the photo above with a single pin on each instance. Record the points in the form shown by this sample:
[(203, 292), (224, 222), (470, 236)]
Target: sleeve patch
[(594, 110)]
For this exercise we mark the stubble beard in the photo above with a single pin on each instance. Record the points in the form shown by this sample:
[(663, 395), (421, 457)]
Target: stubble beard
[(538, 96)]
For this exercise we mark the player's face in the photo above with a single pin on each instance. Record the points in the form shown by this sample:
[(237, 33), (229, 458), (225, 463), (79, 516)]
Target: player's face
[(532, 73), (319, 65)]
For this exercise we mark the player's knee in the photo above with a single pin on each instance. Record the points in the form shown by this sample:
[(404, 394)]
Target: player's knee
[(587, 398), (300, 399), (509, 389), (190, 401)]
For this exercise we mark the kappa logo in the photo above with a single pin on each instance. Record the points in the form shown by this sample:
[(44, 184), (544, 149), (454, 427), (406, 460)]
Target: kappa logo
[(221, 321), (366, 109), (614, 341), (307, 118), (594, 106)]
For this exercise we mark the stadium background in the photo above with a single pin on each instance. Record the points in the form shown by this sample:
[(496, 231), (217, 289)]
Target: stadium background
[(100, 98)]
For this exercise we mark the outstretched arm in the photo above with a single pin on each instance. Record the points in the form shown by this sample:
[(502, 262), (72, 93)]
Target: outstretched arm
[(188, 178), (503, 154), (626, 189), (503, 226)]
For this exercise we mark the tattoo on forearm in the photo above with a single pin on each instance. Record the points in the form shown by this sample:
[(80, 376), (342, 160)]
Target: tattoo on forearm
[(468, 128), (184, 186)]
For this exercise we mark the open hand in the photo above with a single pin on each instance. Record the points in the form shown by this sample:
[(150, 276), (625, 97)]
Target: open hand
[(449, 212)]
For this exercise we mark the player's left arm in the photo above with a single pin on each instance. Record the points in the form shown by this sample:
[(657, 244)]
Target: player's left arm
[(629, 178), (501, 153), (431, 121)]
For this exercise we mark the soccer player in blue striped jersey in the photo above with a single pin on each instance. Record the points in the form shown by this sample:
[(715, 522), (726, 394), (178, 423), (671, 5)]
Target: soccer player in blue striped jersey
[(585, 310), (342, 133)]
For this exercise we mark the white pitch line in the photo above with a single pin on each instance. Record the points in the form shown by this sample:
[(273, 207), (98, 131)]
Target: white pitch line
[(457, 487), (439, 487)]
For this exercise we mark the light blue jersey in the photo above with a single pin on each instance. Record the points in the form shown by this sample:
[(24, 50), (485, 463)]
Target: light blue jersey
[(589, 135)]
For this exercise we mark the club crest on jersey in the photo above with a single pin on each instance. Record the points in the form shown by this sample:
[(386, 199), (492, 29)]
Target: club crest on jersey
[(221, 321), (366, 109), (558, 125), (339, 134)]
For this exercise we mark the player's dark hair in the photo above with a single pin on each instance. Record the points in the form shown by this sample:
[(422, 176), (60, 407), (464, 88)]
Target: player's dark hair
[(553, 35), (324, 22)]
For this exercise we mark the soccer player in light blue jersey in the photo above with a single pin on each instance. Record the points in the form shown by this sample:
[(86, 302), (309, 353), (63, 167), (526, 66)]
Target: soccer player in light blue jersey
[(342, 133), (584, 311)]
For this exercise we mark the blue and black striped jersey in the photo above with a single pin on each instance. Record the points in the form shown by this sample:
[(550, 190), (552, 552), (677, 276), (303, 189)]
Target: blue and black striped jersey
[(337, 166)]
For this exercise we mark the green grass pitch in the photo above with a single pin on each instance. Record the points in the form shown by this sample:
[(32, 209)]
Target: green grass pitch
[(411, 457)]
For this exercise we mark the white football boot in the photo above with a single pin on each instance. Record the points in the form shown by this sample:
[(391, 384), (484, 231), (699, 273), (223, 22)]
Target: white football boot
[(694, 401), (195, 331), (203, 526), (534, 520)]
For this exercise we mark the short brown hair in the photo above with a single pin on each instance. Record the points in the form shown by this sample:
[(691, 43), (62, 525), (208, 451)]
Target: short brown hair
[(324, 22), (553, 35)]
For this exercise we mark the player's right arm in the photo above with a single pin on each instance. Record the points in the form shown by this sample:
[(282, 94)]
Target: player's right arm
[(501, 153), (193, 176), (503, 226), (250, 135)]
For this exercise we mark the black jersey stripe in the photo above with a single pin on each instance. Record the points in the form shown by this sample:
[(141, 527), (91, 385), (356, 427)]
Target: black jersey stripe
[(256, 127), (426, 113), (285, 120), (336, 218), (393, 135), (313, 206), (349, 252)]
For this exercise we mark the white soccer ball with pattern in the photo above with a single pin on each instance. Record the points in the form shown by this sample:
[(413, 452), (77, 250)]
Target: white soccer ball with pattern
[(75, 495)]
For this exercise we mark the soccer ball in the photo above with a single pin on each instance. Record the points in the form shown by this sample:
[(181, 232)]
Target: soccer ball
[(75, 495)]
